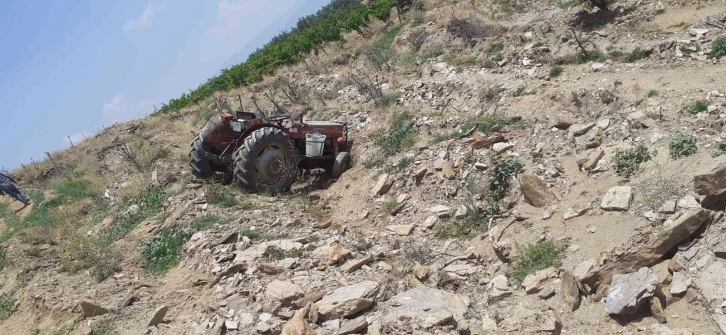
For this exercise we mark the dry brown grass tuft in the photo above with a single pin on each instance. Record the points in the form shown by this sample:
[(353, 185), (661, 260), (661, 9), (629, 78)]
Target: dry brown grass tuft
[(95, 254)]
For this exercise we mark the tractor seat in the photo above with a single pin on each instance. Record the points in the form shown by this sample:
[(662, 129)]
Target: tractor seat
[(321, 123)]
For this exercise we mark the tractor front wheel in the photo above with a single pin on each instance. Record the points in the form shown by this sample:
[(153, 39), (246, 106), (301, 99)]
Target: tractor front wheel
[(201, 166), (341, 164), (266, 162)]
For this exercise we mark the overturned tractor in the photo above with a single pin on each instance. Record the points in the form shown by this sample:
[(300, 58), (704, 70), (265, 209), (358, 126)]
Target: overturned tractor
[(264, 155)]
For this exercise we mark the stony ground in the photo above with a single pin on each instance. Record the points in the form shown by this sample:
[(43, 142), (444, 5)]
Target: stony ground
[(506, 181)]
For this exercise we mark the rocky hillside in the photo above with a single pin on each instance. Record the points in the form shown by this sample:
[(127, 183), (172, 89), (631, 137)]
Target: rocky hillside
[(521, 167)]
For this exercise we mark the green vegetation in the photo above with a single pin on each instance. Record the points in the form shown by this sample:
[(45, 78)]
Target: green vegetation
[(555, 71), (484, 124), (417, 39), (630, 57), (161, 253), (221, 196), (7, 306), (504, 168), (627, 161), (207, 221), (495, 48), (699, 106), (652, 93), (147, 204), (521, 90), (475, 222), (660, 11), (718, 47), (380, 51), (682, 145), (3, 258), (96, 254), (388, 206), (276, 253), (432, 53), (251, 234), (309, 36), (400, 135), (535, 257), (717, 153)]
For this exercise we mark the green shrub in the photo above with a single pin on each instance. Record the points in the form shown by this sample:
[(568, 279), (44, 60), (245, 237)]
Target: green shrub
[(718, 47), (682, 145), (402, 164), (400, 135), (717, 153), (555, 71), (419, 18), (652, 93), (96, 254), (432, 53), (699, 106), (7, 306), (627, 161), (161, 253), (504, 168), (3, 258), (535, 257), (495, 48)]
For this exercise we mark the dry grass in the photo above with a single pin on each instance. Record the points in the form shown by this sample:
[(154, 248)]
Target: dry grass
[(662, 186), (95, 254)]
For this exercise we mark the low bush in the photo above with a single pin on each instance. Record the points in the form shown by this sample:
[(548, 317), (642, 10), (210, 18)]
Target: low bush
[(7, 306), (161, 253), (504, 168), (718, 47), (682, 145), (401, 135), (535, 257), (698, 106), (96, 254), (627, 161)]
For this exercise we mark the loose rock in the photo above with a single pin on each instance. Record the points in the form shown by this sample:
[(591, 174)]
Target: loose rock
[(158, 316), (629, 291), (617, 199), (91, 309), (535, 191), (347, 300)]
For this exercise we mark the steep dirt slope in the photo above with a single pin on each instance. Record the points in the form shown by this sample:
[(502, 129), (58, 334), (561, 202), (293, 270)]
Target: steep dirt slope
[(506, 181)]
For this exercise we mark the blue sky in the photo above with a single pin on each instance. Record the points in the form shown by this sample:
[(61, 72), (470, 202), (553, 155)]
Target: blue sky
[(72, 67)]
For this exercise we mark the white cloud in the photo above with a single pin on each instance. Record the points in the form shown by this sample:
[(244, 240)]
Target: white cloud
[(75, 138), (143, 21), (120, 110)]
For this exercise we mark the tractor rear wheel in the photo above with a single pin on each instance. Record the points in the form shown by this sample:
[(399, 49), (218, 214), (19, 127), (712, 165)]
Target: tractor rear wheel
[(266, 161), (201, 166), (341, 164)]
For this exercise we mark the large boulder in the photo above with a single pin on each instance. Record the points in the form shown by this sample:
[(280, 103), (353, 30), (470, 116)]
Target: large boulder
[(630, 291), (535, 191), (426, 307), (348, 300)]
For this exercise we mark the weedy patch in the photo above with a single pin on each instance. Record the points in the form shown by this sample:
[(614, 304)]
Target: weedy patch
[(147, 204), (220, 195), (161, 253), (495, 48), (535, 257), (652, 93), (401, 164), (627, 161), (698, 106), (718, 47), (275, 253), (7, 306), (400, 135), (682, 145), (474, 223), (504, 168), (555, 71), (208, 221), (251, 234), (96, 254), (417, 39), (388, 206)]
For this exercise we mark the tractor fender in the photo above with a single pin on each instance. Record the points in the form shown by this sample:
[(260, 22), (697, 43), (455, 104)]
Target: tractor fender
[(252, 128)]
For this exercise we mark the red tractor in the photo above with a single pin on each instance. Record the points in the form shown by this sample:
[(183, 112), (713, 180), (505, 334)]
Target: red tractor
[(264, 155)]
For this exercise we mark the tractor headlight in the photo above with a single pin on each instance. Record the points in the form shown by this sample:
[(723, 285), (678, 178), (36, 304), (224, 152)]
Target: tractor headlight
[(236, 125)]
